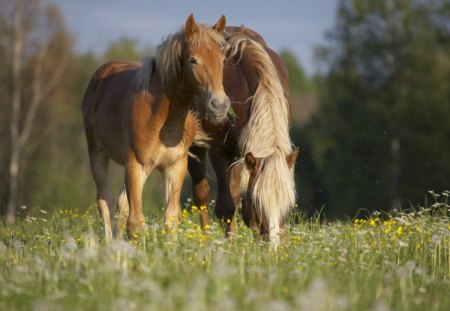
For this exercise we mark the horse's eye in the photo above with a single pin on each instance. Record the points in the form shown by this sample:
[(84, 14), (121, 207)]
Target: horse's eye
[(192, 60)]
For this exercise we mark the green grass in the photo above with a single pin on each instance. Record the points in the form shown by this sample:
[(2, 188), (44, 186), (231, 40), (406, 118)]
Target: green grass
[(58, 262)]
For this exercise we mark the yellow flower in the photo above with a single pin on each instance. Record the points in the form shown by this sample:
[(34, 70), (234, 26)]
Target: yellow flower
[(399, 231), (358, 223), (418, 229)]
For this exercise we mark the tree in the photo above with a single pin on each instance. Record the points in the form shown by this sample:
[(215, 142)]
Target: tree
[(127, 49), (298, 81), (303, 96), (39, 55), (379, 138)]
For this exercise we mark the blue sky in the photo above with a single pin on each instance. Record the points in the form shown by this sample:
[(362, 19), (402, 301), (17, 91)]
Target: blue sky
[(297, 25)]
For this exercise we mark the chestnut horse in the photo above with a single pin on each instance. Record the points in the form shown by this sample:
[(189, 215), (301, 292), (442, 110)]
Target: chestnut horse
[(138, 115), (251, 151)]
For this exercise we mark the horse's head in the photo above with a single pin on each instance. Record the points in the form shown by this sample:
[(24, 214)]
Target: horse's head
[(202, 64), (267, 198)]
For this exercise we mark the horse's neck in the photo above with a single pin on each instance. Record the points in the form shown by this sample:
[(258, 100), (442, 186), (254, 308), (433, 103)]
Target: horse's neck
[(179, 99), (248, 65)]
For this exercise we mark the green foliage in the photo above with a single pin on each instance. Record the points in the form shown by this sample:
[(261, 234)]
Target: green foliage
[(379, 138), (57, 262), (127, 49), (299, 82)]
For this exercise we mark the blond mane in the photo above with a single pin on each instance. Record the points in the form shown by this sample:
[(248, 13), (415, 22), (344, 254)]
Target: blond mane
[(169, 53), (266, 134)]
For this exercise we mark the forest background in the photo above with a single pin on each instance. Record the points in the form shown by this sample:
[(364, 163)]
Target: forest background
[(373, 121)]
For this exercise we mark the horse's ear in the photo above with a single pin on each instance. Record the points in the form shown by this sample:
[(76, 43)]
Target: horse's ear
[(190, 27), (290, 159), (220, 25), (250, 162)]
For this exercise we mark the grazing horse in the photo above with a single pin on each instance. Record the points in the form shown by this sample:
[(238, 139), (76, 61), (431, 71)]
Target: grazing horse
[(138, 115), (251, 151)]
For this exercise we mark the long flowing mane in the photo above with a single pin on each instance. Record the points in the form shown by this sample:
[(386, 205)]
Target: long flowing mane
[(266, 134)]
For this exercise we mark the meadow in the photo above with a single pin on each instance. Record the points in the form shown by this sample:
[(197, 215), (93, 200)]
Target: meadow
[(384, 262)]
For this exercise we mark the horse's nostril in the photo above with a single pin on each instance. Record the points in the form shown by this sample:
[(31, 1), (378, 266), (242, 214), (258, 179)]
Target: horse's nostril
[(215, 104), (218, 107)]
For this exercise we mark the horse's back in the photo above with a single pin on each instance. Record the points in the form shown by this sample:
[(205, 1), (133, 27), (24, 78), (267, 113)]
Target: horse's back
[(109, 76), (106, 107)]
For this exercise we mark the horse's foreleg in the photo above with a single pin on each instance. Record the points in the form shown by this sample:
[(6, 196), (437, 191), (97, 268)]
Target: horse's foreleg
[(135, 177), (173, 179), (200, 186), (99, 167), (122, 213)]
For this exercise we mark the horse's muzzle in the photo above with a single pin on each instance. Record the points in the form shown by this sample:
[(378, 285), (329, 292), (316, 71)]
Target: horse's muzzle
[(217, 108)]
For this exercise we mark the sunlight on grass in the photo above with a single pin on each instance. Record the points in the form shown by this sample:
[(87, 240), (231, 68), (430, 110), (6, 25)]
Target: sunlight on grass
[(382, 262)]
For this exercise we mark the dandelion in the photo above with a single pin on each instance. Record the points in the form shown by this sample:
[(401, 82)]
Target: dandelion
[(399, 231), (359, 223), (435, 239), (3, 247)]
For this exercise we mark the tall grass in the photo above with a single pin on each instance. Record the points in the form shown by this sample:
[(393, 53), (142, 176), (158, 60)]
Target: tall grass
[(58, 262)]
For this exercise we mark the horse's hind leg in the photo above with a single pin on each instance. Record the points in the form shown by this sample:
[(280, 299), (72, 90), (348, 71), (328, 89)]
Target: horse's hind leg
[(225, 204), (99, 167), (235, 185), (122, 213), (200, 186)]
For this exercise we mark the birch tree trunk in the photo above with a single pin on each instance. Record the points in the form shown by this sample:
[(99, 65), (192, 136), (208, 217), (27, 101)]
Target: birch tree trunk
[(42, 84), (15, 113)]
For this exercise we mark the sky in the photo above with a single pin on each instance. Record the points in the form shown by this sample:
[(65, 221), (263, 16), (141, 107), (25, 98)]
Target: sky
[(296, 25)]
